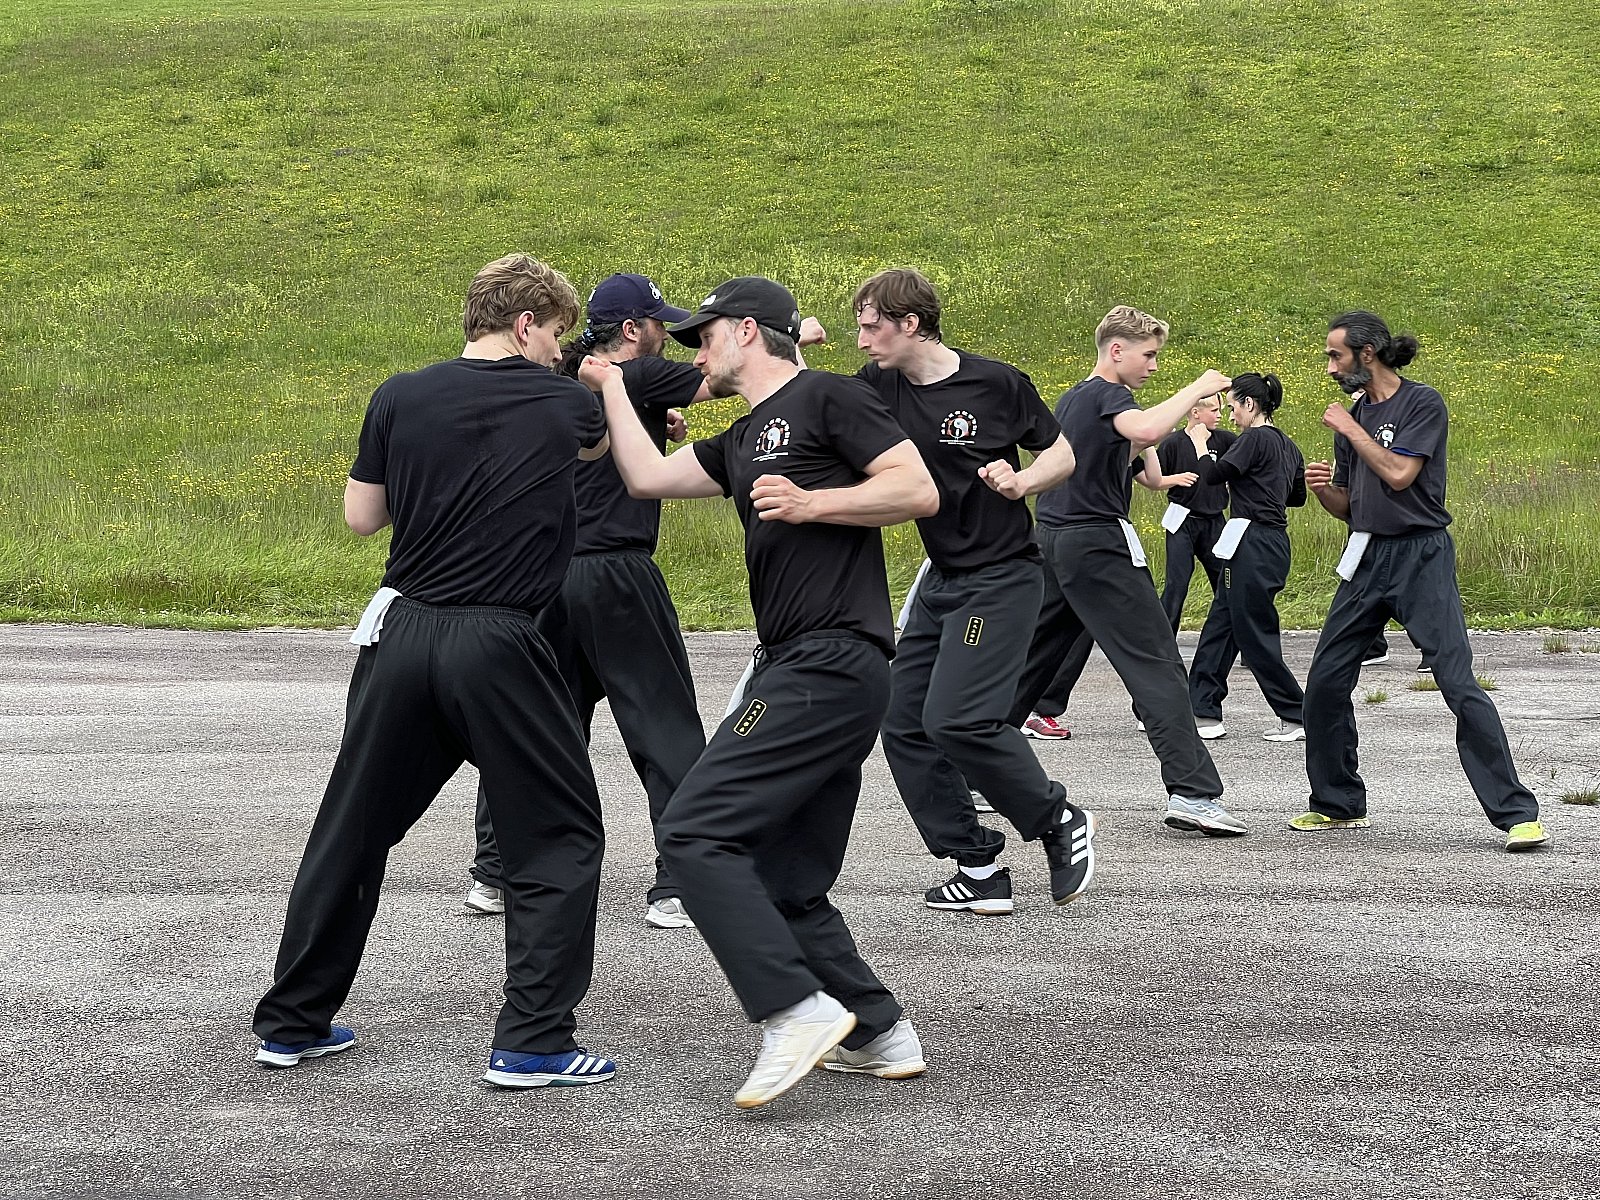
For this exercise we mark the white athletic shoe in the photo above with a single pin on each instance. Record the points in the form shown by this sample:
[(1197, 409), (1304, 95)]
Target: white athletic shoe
[(1375, 659), (668, 914), (1194, 815), (792, 1042), (484, 900), (1285, 731), (893, 1055), (1210, 728)]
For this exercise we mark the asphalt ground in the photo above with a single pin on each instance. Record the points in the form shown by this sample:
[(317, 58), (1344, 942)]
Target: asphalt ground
[(1404, 1011)]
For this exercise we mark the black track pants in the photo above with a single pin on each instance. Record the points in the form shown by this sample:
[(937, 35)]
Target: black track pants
[(1413, 580), (1193, 541), (952, 686), (443, 686), (1058, 695), (1243, 623), (756, 833), (1090, 583), (615, 636)]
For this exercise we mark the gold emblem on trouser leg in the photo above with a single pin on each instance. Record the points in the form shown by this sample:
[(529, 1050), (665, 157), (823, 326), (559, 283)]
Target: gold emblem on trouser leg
[(752, 714), (974, 630)]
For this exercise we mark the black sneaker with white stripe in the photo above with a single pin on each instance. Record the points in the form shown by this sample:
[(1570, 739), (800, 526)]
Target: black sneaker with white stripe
[(989, 897), (1069, 847)]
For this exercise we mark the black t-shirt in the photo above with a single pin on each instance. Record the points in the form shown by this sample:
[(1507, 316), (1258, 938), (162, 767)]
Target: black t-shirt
[(1413, 421), (819, 430), (1176, 455), (1101, 487), (609, 518), (476, 460), (981, 413), (1265, 472)]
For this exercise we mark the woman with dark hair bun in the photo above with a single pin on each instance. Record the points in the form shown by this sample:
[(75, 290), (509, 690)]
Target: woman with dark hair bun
[(1265, 474)]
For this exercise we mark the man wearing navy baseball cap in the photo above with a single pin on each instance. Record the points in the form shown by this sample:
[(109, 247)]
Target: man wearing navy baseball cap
[(613, 626)]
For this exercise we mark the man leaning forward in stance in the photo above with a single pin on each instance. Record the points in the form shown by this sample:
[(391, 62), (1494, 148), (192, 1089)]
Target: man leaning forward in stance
[(756, 833), (471, 460)]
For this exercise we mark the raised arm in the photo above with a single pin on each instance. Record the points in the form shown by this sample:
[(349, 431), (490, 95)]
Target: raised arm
[(647, 474), (1399, 471), (1319, 479), (366, 506), (1146, 427), (1051, 466), (897, 488)]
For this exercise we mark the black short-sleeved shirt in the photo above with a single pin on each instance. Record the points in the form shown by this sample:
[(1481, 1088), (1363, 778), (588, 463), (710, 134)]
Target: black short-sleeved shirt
[(1176, 455), (1101, 486), (1414, 422), (981, 413), (1266, 474), (819, 430), (476, 460), (609, 518)]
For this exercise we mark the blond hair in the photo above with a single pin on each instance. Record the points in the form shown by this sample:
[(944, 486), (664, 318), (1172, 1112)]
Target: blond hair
[(513, 285), (1127, 324)]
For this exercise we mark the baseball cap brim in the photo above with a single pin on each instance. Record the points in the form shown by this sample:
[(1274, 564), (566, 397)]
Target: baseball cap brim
[(668, 313), (687, 330)]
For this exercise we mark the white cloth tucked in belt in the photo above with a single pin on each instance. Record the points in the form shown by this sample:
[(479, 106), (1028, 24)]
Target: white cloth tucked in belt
[(1232, 535), (1353, 551), (905, 609), (1172, 520), (371, 623), (1135, 548)]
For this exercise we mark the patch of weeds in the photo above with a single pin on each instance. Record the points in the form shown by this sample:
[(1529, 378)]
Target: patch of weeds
[(203, 176), (1424, 683), (1589, 648), (298, 131), (1585, 796), (1375, 696), (1556, 643), (465, 138), (93, 159), (491, 191), (605, 114)]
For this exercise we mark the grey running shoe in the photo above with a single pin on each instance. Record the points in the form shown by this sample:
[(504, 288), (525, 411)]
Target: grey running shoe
[(893, 1055), (484, 900), (668, 914), (1286, 731), (1210, 728), (1202, 816), (791, 1045)]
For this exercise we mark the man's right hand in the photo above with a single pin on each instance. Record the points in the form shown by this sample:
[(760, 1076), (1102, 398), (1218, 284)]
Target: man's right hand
[(594, 373), (1319, 475), (1213, 383)]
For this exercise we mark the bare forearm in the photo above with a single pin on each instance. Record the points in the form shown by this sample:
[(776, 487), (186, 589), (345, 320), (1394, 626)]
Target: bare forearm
[(887, 498), (1398, 471), (1335, 499), (1051, 467)]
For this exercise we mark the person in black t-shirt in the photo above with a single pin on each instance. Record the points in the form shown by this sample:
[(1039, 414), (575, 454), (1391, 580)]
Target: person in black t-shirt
[(613, 628), (756, 833), (471, 460), (1387, 481), (1176, 456), (974, 611), (1096, 578), (1265, 474)]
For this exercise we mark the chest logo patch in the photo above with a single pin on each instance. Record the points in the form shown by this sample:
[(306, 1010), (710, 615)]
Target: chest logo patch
[(772, 439), (752, 714), (1385, 436), (974, 631), (960, 428)]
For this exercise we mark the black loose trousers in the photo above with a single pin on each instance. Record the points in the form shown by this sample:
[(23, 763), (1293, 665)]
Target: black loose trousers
[(1243, 623)]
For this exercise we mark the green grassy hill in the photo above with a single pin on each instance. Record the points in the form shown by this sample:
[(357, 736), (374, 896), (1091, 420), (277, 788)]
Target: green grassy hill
[(224, 224)]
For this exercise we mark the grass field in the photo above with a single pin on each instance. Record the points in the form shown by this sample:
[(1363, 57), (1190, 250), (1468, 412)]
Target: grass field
[(223, 224)]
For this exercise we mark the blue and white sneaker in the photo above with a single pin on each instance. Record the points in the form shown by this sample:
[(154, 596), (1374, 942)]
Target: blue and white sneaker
[(509, 1069), (289, 1054)]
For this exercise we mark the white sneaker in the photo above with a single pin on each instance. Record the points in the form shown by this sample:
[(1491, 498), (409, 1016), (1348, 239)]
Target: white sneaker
[(791, 1043), (668, 914), (1286, 731), (1210, 728), (485, 900), (1194, 815), (1141, 727), (893, 1055), (1375, 659)]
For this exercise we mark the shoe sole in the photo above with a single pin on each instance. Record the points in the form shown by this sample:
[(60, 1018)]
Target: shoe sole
[(1284, 737), (824, 1041), (507, 1079), (1372, 662), (468, 907), (656, 921), (982, 908), (904, 1070), (1046, 737), (1524, 847), (1094, 826), (269, 1058), (1358, 823), (1211, 737), (1190, 825)]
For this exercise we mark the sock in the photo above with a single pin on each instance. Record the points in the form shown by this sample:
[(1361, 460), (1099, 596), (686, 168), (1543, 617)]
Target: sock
[(980, 872)]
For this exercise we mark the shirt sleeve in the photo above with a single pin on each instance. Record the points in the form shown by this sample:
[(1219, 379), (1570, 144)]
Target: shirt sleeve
[(589, 418), (1420, 433), (1114, 399), (1343, 453), (858, 423), (1039, 426), (712, 453), (661, 382), (372, 450)]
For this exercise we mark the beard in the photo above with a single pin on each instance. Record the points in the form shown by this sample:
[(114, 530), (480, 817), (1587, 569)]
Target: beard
[(1356, 379)]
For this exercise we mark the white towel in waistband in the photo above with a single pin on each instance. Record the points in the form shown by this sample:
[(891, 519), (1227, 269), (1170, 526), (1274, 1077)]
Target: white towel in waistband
[(371, 623), (1135, 547), (739, 688), (1232, 535), (905, 609), (1172, 520), (1353, 551)]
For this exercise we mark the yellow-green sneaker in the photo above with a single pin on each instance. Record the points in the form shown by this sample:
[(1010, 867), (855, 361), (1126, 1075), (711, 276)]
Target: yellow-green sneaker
[(1525, 836), (1311, 822)]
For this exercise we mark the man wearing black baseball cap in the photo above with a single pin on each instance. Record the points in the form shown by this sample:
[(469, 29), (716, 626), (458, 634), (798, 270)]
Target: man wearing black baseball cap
[(756, 833)]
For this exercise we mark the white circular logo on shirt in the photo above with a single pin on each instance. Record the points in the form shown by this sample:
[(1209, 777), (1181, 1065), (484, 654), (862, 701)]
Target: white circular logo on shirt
[(960, 428), (1385, 436), (772, 439)]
